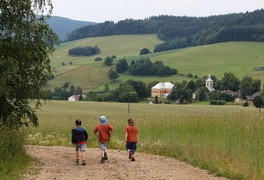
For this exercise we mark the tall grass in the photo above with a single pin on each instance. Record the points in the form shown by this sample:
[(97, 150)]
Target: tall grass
[(226, 140), (13, 158)]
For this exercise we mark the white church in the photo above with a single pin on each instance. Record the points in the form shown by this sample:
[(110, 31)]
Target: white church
[(209, 84)]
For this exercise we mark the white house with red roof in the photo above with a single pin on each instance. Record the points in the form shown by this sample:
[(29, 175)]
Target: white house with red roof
[(162, 89)]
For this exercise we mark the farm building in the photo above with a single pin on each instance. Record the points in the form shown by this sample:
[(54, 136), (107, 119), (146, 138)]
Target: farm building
[(162, 89), (229, 92), (249, 99), (74, 98)]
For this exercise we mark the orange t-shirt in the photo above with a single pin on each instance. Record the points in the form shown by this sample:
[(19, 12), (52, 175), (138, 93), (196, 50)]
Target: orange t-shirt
[(105, 131), (132, 133)]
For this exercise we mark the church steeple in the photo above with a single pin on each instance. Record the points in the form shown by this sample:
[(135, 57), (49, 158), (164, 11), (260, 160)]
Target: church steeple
[(209, 83)]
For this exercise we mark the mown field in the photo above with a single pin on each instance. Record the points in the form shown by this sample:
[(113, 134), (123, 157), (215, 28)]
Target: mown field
[(238, 57), (226, 140)]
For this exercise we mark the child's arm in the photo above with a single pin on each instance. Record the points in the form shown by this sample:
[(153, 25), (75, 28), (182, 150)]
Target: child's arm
[(73, 136), (126, 137), (111, 129), (95, 132)]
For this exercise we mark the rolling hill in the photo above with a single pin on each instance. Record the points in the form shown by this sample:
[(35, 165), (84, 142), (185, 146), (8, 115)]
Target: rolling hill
[(64, 26), (238, 57)]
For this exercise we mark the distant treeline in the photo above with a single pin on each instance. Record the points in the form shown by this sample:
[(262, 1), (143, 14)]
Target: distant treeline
[(182, 31), (84, 51), (144, 67)]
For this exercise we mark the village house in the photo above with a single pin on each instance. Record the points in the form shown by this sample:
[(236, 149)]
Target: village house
[(230, 92), (76, 97), (162, 89), (249, 99)]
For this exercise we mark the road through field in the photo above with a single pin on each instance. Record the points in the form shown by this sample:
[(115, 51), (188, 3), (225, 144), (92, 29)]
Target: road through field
[(57, 162)]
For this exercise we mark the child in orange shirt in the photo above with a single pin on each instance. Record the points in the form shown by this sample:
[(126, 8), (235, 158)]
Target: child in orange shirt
[(105, 130), (131, 139)]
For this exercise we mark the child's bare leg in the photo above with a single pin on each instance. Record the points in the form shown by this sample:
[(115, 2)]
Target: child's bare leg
[(77, 155), (83, 155), (103, 153)]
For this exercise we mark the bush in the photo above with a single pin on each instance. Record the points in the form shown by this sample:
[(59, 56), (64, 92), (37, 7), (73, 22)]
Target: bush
[(215, 102), (98, 59), (144, 51), (13, 159), (84, 51), (245, 104)]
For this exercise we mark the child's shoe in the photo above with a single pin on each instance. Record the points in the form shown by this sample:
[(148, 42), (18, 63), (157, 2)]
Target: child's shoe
[(129, 155), (103, 160), (77, 161), (83, 163), (105, 156), (133, 159)]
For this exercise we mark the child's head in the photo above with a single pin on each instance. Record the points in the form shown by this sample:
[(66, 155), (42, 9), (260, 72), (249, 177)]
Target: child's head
[(102, 120), (130, 122), (78, 122)]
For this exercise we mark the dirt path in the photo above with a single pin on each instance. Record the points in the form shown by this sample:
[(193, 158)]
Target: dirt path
[(58, 163)]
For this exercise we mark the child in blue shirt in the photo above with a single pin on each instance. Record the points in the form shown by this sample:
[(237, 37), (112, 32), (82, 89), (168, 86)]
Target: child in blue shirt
[(79, 138)]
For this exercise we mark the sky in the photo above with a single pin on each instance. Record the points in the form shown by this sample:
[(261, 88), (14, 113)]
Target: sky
[(116, 10)]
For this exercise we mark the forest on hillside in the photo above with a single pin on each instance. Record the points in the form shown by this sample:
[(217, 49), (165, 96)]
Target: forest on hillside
[(183, 31)]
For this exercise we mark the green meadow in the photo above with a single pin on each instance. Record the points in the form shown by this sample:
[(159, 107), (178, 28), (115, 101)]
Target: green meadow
[(238, 57), (226, 140)]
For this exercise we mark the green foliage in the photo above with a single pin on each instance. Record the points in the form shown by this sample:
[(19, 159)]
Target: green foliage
[(109, 60), (144, 51), (141, 89), (64, 92), (144, 67), (156, 100), (130, 91), (245, 86), (216, 102), (218, 95), (112, 74), (245, 104), (229, 81), (98, 59), (258, 102), (26, 42), (180, 93), (202, 93), (121, 66), (14, 159), (84, 51)]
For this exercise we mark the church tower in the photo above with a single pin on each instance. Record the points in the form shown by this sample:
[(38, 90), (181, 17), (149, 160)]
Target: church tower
[(209, 83)]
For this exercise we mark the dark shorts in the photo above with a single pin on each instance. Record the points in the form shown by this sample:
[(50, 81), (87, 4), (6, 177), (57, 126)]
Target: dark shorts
[(132, 146)]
